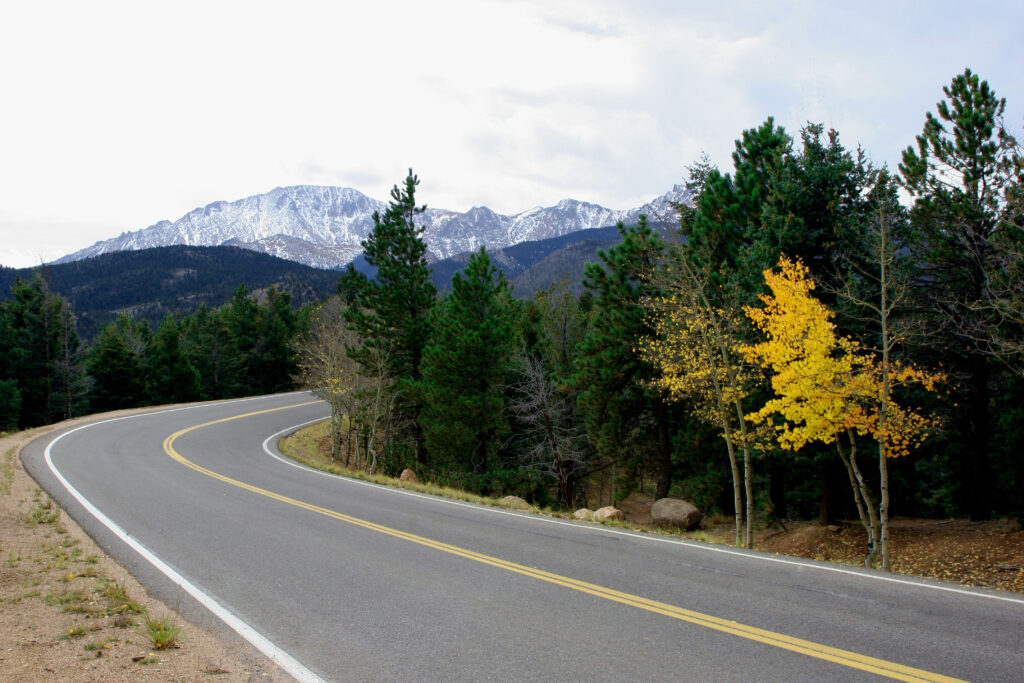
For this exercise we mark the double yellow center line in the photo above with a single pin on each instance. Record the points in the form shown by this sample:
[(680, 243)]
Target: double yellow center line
[(805, 647)]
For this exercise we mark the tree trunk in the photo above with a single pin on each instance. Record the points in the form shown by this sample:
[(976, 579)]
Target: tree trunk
[(749, 492), (874, 529), (863, 506), (883, 506), (737, 494), (748, 486), (348, 445)]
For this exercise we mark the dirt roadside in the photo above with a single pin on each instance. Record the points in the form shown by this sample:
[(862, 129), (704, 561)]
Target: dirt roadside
[(70, 613), (988, 554)]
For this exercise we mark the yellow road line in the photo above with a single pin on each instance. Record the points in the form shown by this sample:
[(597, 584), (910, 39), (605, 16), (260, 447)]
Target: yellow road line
[(805, 647)]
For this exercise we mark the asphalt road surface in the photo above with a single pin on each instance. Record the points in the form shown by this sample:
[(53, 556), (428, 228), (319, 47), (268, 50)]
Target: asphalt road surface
[(340, 580)]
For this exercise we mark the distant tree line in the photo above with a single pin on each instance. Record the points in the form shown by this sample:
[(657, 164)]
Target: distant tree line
[(242, 348)]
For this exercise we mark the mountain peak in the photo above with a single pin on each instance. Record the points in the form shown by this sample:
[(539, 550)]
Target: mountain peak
[(324, 225)]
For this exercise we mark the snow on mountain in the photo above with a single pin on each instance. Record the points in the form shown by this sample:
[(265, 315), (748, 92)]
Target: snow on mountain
[(323, 226)]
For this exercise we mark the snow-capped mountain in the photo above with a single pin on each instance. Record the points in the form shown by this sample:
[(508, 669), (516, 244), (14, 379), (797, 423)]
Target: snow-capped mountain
[(323, 226)]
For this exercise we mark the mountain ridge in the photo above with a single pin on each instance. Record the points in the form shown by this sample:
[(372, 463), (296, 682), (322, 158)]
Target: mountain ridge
[(323, 225)]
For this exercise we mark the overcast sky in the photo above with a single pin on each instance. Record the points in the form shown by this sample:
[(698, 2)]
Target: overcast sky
[(114, 116)]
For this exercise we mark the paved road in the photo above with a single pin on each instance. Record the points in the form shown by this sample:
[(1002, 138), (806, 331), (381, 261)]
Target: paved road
[(358, 582)]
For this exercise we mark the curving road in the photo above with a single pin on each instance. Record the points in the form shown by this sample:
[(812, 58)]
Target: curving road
[(340, 580)]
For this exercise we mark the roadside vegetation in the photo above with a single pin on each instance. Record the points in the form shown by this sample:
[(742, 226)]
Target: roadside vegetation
[(311, 446)]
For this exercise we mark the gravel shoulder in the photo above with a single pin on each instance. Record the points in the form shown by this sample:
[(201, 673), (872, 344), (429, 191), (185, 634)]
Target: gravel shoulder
[(70, 613)]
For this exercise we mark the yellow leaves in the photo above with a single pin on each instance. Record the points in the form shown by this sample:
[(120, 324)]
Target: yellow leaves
[(817, 377), (687, 349), (824, 383)]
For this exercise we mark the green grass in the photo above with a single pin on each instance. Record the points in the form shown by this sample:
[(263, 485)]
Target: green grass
[(303, 447), (76, 631), (99, 646), (163, 633), (43, 512), (68, 599), (124, 621), (118, 598)]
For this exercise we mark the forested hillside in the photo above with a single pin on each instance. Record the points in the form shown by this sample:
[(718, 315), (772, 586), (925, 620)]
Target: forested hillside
[(533, 266), (803, 344), (151, 283)]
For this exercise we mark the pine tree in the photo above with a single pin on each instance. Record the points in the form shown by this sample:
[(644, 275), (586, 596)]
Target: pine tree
[(627, 420), (70, 381), (960, 175), (241, 318), (42, 356), (392, 312), (466, 366), (115, 366), (170, 375), (273, 359)]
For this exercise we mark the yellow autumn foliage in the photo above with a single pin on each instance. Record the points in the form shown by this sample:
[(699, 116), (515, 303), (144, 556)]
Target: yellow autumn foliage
[(694, 359), (825, 383)]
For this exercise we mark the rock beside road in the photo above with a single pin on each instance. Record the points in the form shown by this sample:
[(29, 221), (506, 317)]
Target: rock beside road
[(609, 512), (675, 512), (516, 503)]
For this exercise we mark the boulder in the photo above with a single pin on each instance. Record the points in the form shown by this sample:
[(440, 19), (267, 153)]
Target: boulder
[(609, 512), (516, 503), (583, 513), (675, 512), (408, 475)]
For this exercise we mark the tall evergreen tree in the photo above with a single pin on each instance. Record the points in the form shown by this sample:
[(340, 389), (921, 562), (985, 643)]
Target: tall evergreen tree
[(273, 359), (392, 312), (628, 421), (69, 375), (964, 165), (210, 345), (170, 375), (466, 368), (726, 228), (115, 365), (240, 318), (10, 395), (42, 356)]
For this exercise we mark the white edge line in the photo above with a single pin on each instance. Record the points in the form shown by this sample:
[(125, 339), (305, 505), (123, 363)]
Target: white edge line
[(257, 639), (642, 537)]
